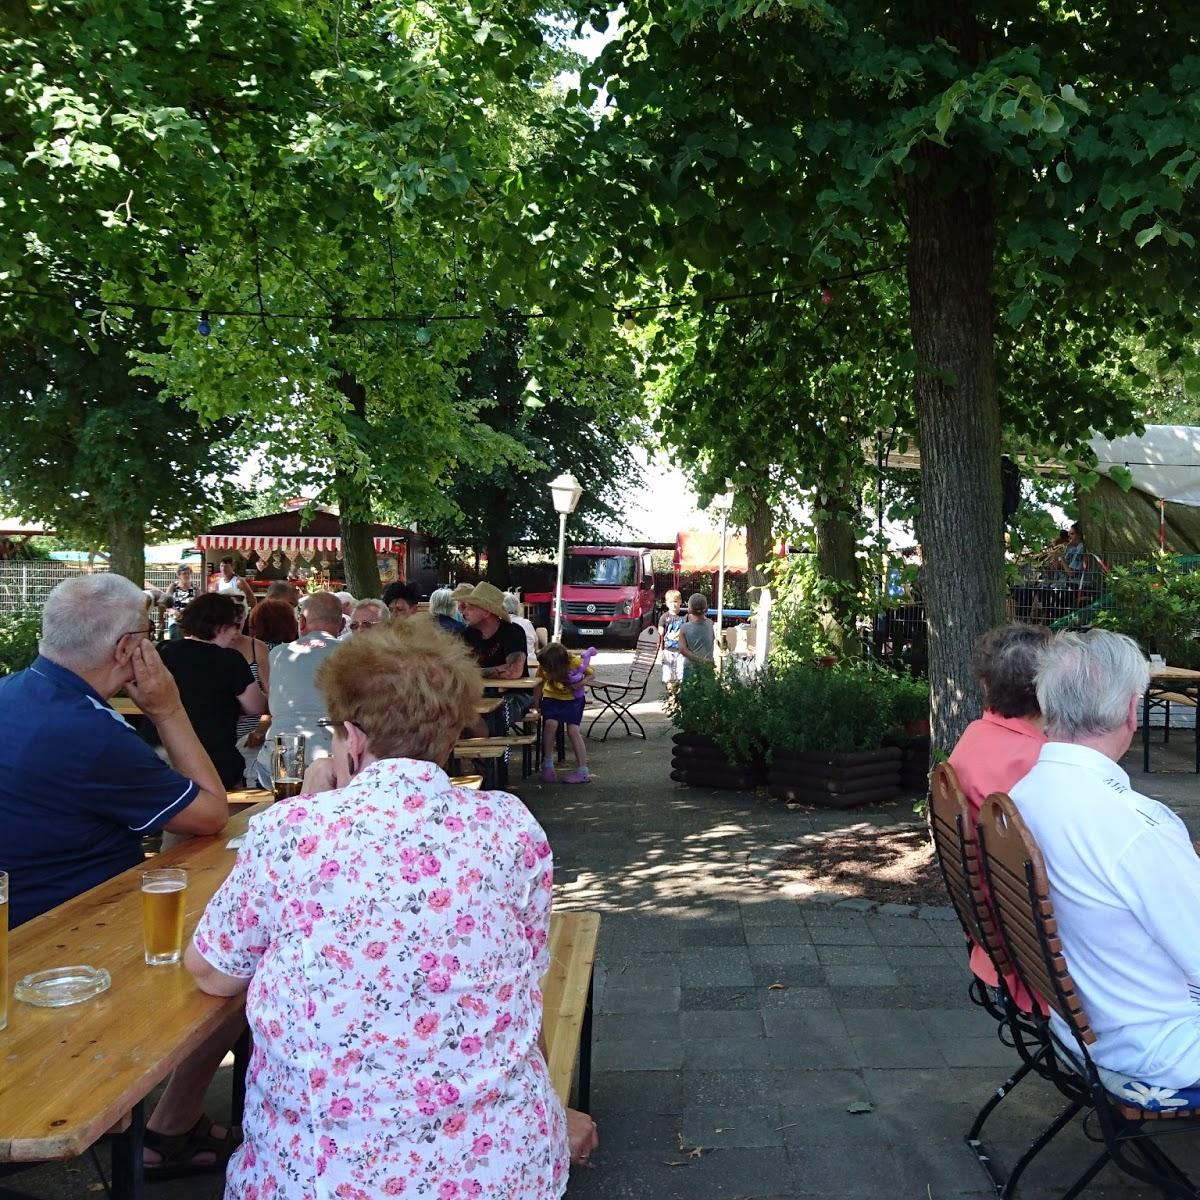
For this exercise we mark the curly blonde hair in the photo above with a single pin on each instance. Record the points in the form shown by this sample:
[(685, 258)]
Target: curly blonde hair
[(410, 687)]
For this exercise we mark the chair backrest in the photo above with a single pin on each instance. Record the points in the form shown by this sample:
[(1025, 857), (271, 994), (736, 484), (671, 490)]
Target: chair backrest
[(1020, 891), (953, 833), (644, 656)]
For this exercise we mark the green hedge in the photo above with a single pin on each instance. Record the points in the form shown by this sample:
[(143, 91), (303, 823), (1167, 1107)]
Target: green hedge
[(797, 708), (19, 634)]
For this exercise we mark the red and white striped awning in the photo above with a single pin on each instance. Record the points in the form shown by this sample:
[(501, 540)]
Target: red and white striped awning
[(285, 545)]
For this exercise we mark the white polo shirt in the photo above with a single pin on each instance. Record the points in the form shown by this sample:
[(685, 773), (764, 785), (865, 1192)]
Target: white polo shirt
[(1125, 882)]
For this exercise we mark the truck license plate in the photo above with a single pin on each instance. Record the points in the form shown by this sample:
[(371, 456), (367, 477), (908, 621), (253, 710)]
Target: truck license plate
[(591, 632)]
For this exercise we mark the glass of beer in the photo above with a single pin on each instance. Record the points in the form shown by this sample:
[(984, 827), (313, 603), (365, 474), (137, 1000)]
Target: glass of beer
[(287, 774), (3, 949), (164, 892)]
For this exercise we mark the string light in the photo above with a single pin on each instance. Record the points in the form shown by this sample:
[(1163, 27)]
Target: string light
[(339, 320)]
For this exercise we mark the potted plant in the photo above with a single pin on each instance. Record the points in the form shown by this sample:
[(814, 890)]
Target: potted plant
[(718, 743), (825, 731)]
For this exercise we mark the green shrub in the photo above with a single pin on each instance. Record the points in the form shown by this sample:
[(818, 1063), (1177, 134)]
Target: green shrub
[(19, 634), (797, 708), (1157, 603), (725, 706)]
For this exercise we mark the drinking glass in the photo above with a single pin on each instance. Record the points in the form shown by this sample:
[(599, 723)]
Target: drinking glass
[(164, 895), (3, 949), (287, 765)]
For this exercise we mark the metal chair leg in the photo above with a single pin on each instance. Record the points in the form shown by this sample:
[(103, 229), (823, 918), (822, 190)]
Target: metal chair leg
[(1035, 1148), (1101, 1162), (998, 1095)]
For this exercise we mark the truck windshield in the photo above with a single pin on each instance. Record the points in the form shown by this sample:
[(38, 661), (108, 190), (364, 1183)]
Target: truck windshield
[(596, 571)]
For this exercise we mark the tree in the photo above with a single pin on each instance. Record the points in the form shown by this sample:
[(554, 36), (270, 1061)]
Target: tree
[(332, 182), (92, 449), (575, 415), (1036, 159)]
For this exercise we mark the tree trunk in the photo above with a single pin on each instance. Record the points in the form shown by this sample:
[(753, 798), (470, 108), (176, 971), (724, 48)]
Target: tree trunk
[(127, 549), (495, 504), (759, 542), (354, 505), (951, 229), (836, 518)]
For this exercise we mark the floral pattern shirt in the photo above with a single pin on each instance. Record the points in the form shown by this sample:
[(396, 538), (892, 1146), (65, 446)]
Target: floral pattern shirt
[(394, 932)]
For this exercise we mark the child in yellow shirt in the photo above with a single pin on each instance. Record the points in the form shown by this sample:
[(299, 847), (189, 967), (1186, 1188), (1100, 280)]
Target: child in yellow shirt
[(561, 696)]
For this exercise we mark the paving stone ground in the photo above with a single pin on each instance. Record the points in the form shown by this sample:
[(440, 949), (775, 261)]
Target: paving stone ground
[(737, 1022)]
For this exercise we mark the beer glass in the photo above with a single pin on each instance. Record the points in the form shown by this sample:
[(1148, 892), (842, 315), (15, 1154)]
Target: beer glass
[(3, 949), (287, 765), (164, 892)]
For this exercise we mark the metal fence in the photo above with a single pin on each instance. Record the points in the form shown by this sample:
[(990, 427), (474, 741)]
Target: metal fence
[(26, 583)]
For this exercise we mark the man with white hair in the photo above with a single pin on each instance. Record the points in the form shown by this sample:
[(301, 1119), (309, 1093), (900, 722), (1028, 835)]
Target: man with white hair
[(1124, 877), (81, 788), (295, 704)]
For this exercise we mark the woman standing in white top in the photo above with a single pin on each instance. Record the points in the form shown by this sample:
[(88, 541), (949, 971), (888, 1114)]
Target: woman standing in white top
[(232, 584)]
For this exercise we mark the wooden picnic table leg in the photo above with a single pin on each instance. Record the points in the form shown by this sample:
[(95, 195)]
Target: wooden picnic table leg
[(242, 1049), (128, 1174), (1146, 732), (585, 1050)]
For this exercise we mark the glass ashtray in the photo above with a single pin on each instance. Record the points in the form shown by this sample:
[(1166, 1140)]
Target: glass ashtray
[(61, 986)]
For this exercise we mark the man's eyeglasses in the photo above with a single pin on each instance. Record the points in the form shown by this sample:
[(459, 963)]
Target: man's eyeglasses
[(357, 625), (147, 630)]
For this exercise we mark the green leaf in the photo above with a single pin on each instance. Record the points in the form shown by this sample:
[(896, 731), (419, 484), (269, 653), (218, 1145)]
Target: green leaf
[(1018, 310), (1145, 236), (1063, 170)]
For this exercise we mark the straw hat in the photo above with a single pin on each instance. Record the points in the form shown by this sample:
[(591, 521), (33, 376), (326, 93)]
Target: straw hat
[(488, 597), (462, 592)]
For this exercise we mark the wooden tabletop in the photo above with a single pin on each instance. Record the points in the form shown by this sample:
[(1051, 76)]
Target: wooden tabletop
[(511, 685), (70, 1074), (125, 706), (1173, 675)]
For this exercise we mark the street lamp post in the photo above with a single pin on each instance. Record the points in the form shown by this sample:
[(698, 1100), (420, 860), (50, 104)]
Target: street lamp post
[(723, 504), (565, 492)]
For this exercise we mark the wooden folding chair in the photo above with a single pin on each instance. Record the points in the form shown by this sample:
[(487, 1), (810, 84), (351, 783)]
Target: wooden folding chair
[(619, 698), (952, 830), (1020, 891)]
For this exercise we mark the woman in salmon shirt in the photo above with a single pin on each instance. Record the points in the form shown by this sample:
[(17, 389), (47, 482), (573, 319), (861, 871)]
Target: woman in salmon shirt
[(1002, 746)]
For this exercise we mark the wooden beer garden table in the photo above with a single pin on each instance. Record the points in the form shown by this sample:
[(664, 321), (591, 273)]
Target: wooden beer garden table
[(1169, 685), (70, 1075), (489, 704)]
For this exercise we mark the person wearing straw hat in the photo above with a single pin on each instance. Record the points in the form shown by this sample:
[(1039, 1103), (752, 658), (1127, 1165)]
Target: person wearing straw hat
[(498, 644)]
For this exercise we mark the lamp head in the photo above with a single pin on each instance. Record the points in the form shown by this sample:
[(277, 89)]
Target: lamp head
[(723, 501), (565, 492)]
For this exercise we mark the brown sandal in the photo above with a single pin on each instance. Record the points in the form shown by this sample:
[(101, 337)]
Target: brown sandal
[(178, 1152)]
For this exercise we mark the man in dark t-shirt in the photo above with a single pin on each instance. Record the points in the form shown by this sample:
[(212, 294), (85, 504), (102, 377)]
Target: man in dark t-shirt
[(499, 646)]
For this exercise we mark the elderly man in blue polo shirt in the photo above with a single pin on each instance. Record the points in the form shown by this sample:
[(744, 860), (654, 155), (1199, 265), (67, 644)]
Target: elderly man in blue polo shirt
[(82, 788)]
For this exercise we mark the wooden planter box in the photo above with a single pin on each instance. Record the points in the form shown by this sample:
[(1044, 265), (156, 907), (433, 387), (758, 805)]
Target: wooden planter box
[(697, 761), (834, 780), (915, 764)]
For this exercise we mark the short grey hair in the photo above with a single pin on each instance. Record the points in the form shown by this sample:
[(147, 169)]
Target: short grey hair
[(84, 618), (346, 597), (511, 602), (442, 603), (377, 605), (1086, 680)]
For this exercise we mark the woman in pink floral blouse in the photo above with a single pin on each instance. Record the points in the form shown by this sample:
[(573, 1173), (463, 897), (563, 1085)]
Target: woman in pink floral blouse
[(391, 932)]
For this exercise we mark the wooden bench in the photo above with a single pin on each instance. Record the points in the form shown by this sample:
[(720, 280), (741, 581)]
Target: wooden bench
[(497, 749), (567, 1002), (470, 782)]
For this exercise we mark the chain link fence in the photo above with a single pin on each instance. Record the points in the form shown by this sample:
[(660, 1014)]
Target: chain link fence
[(25, 584)]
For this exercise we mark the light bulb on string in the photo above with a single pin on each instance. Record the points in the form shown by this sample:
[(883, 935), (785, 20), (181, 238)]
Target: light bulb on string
[(423, 331), (204, 326), (627, 318)]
